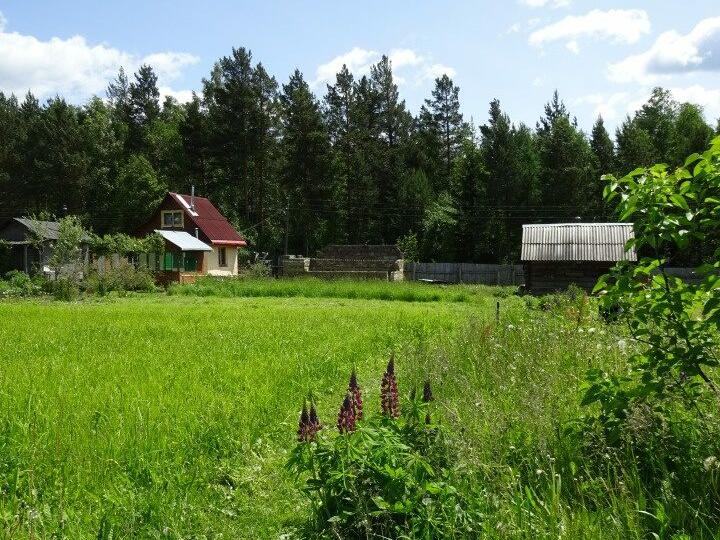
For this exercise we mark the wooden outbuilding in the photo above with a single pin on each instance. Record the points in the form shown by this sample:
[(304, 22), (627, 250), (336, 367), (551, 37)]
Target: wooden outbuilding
[(556, 255), (31, 244)]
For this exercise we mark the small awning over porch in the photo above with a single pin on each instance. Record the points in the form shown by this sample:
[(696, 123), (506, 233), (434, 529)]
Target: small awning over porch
[(183, 241)]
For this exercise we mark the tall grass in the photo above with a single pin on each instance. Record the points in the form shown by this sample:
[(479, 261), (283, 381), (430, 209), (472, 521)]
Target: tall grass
[(338, 288), (173, 416)]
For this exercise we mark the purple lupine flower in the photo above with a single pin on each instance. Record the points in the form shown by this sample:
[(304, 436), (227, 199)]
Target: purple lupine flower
[(389, 398), (303, 433), (313, 421), (346, 417), (355, 395), (427, 392), (427, 398)]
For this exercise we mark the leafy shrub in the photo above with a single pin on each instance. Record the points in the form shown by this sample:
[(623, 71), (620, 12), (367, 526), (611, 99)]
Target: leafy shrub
[(677, 323), (386, 476), (257, 270), (122, 278), (65, 289), (21, 285)]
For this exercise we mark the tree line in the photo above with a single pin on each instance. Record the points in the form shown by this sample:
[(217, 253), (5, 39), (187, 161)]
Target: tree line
[(296, 171)]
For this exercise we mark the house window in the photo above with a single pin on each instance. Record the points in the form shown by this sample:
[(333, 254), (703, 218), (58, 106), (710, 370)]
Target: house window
[(172, 219), (222, 257)]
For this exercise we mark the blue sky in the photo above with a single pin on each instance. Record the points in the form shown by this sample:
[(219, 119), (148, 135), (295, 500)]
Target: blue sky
[(603, 57)]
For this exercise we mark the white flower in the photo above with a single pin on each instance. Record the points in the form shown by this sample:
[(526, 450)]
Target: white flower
[(710, 463), (622, 344)]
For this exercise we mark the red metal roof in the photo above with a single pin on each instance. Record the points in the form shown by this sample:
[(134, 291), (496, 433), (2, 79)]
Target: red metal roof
[(209, 220)]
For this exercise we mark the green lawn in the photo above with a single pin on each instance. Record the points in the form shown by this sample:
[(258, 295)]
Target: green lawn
[(172, 416)]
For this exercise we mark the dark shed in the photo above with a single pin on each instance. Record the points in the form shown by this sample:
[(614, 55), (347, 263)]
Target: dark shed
[(31, 243), (556, 255)]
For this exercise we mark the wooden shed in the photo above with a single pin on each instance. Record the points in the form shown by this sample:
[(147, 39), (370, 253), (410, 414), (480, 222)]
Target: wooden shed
[(556, 255)]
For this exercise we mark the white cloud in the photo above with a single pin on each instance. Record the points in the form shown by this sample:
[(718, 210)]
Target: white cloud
[(72, 67), (573, 47), (544, 3), (408, 66), (357, 60), (182, 96), (613, 107), (673, 53), (438, 70), (405, 57), (614, 25), (708, 98), (523, 26)]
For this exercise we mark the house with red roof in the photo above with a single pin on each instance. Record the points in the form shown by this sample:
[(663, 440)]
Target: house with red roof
[(198, 238)]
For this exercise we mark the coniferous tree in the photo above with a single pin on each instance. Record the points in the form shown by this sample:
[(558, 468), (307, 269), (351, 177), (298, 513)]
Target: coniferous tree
[(389, 168), (194, 136), (566, 164), (239, 100), (11, 156), (104, 151), (442, 117), (306, 162), (602, 147), (144, 107)]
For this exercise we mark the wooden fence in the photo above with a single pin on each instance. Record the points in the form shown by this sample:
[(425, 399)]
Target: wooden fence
[(487, 274)]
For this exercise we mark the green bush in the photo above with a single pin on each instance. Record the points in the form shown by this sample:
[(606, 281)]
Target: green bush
[(21, 285), (122, 278), (258, 270), (65, 289)]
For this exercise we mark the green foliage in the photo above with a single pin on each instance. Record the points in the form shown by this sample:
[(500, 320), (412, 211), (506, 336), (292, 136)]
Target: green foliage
[(340, 288), (409, 247), (20, 285), (67, 252), (676, 322), (122, 278), (389, 478), (122, 244), (256, 270), (64, 288)]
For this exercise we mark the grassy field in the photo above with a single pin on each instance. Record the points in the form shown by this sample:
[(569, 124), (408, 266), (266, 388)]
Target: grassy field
[(172, 416)]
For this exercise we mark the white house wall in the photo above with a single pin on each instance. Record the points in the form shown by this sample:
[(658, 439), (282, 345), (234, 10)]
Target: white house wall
[(211, 262)]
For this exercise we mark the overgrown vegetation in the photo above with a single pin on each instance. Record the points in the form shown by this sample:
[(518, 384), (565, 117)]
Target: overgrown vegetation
[(338, 288)]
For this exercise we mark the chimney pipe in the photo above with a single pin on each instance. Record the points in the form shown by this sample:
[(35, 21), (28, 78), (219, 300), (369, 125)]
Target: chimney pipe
[(192, 198), (197, 232)]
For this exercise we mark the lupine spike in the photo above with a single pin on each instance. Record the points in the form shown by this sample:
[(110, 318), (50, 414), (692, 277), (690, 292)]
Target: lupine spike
[(304, 424), (389, 398), (346, 417), (313, 421), (427, 392), (355, 395)]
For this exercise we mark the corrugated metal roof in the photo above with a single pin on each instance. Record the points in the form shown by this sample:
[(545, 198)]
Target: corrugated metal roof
[(577, 242), (183, 240)]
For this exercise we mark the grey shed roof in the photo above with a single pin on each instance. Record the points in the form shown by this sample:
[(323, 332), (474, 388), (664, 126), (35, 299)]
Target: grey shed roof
[(577, 242), (48, 230)]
